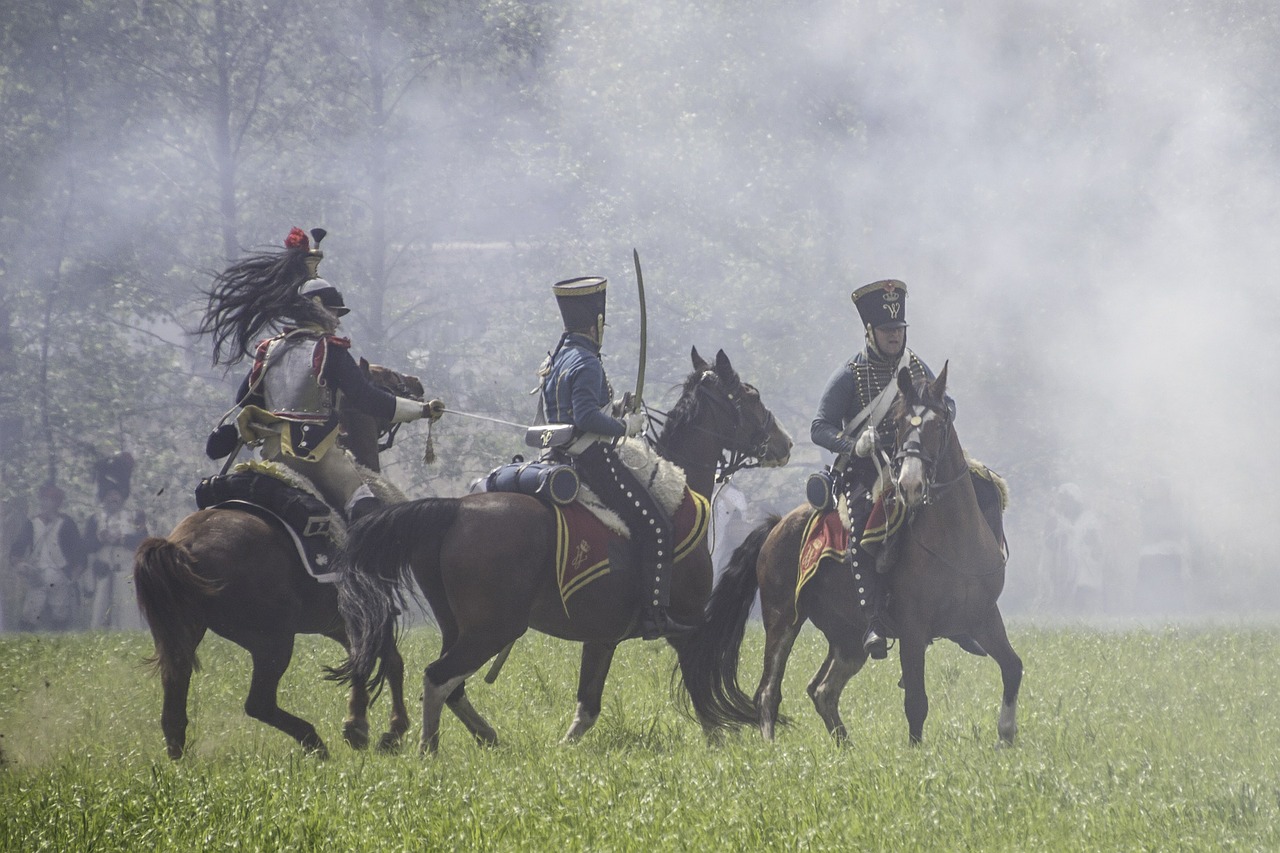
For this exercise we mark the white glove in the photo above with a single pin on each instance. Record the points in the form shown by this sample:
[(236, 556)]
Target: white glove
[(636, 423), (407, 411), (866, 444)]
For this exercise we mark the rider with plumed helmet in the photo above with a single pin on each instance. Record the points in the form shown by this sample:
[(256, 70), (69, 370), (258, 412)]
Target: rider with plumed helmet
[(303, 373), (852, 421), (576, 391)]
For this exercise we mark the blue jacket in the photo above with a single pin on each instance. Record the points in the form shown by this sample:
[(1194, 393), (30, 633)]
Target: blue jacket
[(577, 392)]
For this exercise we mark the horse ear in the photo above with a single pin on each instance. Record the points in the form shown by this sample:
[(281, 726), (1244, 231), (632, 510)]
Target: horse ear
[(939, 387), (905, 384), (364, 365), (724, 368), (699, 364)]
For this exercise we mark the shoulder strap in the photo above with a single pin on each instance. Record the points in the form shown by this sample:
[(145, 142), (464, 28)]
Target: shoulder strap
[(879, 406)]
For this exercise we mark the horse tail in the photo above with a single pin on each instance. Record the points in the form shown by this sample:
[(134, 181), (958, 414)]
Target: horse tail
[(377, 566), (709, 656), (169, 593)]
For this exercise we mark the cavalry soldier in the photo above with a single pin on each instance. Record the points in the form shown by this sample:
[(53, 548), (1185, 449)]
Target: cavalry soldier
[(576, 391), (302, 375), (852, 421)]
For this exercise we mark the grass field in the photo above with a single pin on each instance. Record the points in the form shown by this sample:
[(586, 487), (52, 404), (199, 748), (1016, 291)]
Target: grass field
[(1129, 740)]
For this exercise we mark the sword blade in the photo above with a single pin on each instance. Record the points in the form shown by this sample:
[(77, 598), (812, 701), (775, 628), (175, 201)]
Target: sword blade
[(644, 334)]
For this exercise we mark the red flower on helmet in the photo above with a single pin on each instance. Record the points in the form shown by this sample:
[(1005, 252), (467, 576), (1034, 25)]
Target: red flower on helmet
[(297, 239)]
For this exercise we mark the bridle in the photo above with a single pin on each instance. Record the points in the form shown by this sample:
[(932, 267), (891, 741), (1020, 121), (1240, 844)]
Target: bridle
[(911, 445), (737, 453)]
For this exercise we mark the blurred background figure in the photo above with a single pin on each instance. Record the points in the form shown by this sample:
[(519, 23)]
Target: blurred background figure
[(13, 517), (730, 524), (1160, 587), (111, 536), (50, 561), (1071, 561)]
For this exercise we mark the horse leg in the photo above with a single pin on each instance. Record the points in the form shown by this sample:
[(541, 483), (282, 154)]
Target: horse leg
[(844, 661), (995, 640), (780, 636), (398, 724), (462, 708), (175, 679), (445, 676), (911, 648), (594, 669), (355, 727), (269, 664)]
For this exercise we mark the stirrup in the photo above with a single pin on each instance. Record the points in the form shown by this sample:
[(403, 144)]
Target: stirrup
[(655, 624), (875, 645)]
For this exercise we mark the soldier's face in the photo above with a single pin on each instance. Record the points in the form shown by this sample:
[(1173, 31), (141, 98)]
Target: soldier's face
[(889, 340)]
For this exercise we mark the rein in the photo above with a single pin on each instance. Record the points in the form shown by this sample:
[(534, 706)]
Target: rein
[(732, 458), (913, 447)]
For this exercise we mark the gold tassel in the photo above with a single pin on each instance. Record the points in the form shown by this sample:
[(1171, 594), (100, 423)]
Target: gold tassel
[(429, 453)]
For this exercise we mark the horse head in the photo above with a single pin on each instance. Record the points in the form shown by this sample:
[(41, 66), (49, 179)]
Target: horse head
[(400, 384), (922, 419), (720, 414)]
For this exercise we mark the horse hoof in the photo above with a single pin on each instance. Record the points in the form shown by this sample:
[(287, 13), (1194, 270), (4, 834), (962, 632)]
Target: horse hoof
[(390, 743), (357, 737)]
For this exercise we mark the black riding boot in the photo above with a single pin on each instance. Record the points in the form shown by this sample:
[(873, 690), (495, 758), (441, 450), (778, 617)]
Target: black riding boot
[(651, 535), (871, 598), (656, 556)]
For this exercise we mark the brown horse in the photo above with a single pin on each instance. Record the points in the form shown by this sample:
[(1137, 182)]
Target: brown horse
[(946, 577), (239, 576), (486, 564)]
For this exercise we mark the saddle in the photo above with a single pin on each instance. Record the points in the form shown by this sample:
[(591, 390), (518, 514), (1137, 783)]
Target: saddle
[(277, 495)]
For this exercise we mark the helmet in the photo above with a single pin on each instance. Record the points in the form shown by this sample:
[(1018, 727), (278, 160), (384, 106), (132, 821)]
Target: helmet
[(267, 289), (319, 288)]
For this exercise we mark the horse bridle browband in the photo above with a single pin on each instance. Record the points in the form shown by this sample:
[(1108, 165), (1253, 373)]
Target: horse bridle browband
[(913, 446)]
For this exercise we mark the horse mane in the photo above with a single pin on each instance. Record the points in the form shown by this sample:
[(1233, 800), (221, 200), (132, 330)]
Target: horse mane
[(686, 408)]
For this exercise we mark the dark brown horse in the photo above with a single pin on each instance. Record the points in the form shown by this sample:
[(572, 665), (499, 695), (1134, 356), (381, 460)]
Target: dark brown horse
[(486, 563), (231, 572), (946, 577)]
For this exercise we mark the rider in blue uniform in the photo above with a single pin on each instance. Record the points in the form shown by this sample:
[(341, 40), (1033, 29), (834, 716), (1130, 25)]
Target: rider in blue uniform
[(844, 425), (576, 391)]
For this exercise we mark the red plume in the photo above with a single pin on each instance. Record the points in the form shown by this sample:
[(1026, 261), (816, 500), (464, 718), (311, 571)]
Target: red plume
[(297, 239)]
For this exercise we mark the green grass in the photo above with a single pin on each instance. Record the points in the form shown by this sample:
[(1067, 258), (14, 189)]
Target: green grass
[(1129, 740)]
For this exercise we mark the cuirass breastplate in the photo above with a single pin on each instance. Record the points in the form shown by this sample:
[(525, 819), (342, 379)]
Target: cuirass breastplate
[(290, 386)]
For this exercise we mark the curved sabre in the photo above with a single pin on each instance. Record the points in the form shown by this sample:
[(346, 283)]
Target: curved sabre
[(644, 335)]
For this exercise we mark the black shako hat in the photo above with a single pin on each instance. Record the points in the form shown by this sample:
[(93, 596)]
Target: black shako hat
[(581, 302), (114, 472), (882, 303)]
